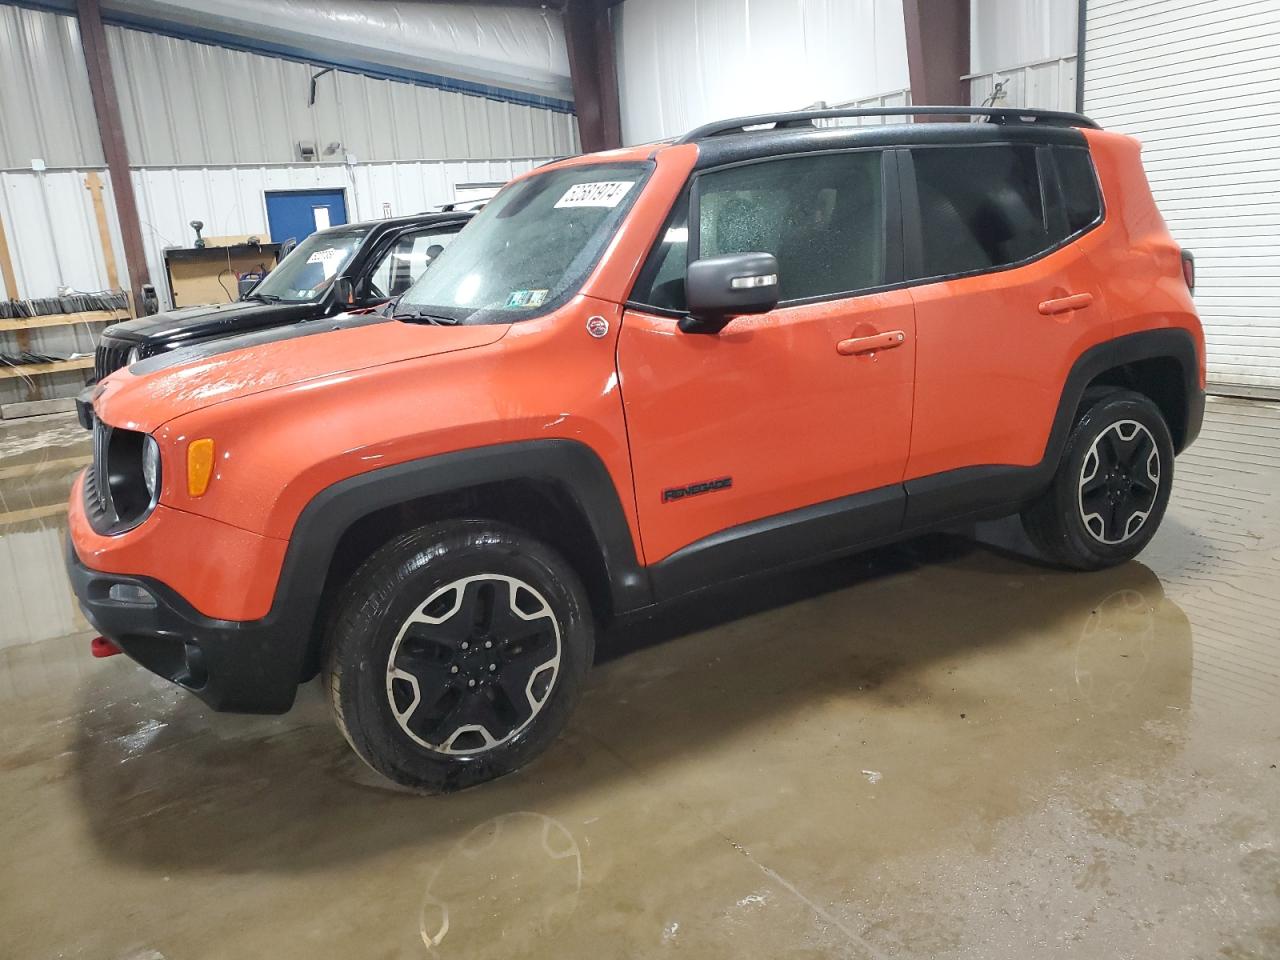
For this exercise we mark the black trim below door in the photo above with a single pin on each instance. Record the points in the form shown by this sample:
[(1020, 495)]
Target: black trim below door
[(813, 533)]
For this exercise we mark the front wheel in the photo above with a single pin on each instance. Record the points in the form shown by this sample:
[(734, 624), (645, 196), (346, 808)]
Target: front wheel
[(1111, 487), (457, 654)]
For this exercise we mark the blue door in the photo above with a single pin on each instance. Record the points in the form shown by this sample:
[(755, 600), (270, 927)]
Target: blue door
[(296, 214)]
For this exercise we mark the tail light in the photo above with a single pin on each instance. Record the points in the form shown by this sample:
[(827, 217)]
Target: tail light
[(1189, 269)]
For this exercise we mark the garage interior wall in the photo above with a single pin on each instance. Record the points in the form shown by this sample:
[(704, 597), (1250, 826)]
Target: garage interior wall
[(1197, 82), (206, 125), (501, 46), (1030, 46), (686, 62)]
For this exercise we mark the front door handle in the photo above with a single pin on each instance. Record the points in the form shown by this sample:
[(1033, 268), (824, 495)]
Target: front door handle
[(1076, 301), (879, 341)]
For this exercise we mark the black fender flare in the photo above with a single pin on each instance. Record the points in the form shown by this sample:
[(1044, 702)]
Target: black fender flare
[(571, 466), (1165, 343)]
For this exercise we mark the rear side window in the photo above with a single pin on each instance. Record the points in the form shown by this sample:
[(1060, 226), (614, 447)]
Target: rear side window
[(981, 207), (1081, 200), (822, 216)]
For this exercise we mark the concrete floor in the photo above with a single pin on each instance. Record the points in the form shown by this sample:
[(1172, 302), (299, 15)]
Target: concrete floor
[(939, 750)]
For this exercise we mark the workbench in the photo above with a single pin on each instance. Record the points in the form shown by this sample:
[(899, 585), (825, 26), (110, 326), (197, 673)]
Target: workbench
[(200, 275)]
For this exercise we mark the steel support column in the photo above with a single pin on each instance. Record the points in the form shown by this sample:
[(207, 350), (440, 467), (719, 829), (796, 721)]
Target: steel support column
[(588, 33), (937, 51), (93, 40)]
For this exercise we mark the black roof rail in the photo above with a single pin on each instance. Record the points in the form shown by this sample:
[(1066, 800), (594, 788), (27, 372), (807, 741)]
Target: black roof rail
[(1054, 118)]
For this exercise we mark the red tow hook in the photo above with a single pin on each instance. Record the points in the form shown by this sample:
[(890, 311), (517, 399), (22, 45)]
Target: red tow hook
[(102, 647)]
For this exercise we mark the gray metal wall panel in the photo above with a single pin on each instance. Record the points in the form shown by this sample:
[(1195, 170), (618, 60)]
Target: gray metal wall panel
[(192, 104), (45, 108)]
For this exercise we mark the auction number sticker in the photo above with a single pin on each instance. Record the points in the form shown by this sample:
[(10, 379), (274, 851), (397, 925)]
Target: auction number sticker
[(601, 193), (329, 259)]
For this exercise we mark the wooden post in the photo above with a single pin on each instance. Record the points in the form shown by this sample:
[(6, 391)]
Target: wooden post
[(93, 40), (6, 267), (93, 183)]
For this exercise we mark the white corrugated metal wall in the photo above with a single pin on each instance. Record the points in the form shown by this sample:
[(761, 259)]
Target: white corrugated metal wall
[(217, 123), (685, 62), (1198, 82), (1029, 46)]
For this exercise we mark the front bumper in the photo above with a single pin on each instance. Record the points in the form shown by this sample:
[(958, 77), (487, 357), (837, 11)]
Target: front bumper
[(240, 667)]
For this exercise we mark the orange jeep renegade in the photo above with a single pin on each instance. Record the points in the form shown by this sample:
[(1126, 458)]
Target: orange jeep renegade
[(636, 374)]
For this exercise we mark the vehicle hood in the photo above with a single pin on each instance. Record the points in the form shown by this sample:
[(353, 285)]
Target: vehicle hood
[(210, 320), (154, 391)]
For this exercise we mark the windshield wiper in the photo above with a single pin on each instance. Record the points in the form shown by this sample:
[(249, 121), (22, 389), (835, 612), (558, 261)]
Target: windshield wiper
[(262, 297), (418, 316)]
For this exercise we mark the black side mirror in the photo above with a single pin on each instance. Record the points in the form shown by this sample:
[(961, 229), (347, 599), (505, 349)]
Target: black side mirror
[(344, 292), (718, 289)]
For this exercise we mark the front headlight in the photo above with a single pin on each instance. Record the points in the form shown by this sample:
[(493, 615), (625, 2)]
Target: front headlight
[(151, 466)]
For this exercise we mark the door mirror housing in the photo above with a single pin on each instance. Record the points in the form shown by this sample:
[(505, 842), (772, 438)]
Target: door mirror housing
[(719, 288)]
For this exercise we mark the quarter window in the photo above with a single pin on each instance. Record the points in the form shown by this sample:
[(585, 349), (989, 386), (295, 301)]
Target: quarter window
[(980, 207), (1080, 197), (661, 281)]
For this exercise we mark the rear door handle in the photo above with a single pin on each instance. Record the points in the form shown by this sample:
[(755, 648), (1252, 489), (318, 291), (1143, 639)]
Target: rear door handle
[(879, 341), (1076, 301)]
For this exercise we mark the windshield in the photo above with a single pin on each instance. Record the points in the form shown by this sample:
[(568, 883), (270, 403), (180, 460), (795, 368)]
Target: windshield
[(531, 247), (306, 273)]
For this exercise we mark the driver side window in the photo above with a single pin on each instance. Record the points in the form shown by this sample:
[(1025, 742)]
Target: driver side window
[(821, 215)]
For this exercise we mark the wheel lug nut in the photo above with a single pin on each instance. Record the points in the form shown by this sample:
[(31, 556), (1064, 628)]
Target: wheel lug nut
[(488, 644), (493, 667), (454, 668), (465, 645), (471, 683)]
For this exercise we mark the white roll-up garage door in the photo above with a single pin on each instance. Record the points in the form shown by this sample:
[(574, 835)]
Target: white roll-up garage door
[(1198, 82)]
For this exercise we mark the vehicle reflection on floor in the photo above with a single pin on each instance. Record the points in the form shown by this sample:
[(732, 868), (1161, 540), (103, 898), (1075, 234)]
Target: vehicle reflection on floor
[(942, 749), (38, 460)]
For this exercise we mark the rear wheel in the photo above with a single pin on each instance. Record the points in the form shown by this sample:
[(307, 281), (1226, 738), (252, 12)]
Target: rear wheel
[(1112, 485), (457, 654)]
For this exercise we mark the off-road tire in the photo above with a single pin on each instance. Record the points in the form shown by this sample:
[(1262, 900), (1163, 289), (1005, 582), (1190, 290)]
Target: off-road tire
[(1089, 517), (384, 607)]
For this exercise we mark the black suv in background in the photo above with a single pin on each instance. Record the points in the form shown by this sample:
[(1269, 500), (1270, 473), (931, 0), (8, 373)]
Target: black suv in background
[(352, 266)]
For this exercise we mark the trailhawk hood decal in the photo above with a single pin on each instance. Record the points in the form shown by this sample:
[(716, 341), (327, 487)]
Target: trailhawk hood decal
[(153, 392)]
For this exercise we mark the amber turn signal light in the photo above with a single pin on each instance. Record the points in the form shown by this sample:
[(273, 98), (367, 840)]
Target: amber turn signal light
[(199, 466)]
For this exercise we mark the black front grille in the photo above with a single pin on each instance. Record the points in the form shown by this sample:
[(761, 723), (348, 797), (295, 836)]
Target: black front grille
[(98, 475), (116, 497), (96, 504), (110, 356)]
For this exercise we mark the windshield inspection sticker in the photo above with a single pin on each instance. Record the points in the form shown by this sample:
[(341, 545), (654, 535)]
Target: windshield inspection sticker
[(526, 298), (602, 193)]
